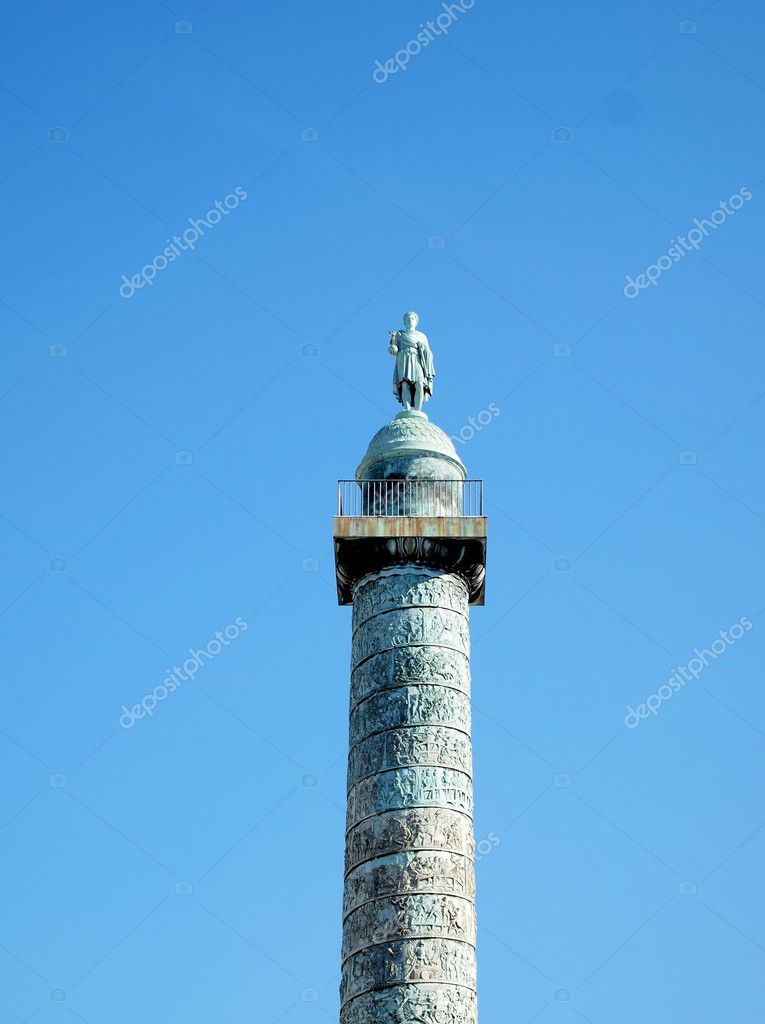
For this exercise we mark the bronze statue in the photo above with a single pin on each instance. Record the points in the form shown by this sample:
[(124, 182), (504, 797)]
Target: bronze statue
[(414, 371)]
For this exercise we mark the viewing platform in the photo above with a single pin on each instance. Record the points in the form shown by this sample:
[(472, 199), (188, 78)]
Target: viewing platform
[(437, 523)]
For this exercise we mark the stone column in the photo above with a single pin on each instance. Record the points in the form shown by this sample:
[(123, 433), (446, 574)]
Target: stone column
[(408, 910), (410, 561)]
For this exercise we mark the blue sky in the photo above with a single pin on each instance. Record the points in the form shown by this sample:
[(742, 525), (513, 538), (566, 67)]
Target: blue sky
[(171, 457)]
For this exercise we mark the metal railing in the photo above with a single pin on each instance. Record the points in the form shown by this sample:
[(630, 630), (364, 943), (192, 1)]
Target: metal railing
[(410, 498)]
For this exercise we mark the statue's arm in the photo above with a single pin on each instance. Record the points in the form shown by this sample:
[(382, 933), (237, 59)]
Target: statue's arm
[(393, 347)]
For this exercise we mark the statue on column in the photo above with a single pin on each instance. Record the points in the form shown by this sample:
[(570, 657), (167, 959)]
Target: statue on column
[(414, 371)]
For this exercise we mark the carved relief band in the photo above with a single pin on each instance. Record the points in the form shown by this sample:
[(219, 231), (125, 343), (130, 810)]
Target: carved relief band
[(408, 907), (404, 626), (424, 745), (418, 786), (410, 705), (407, 588), (408, 961), (410, 665), (422, 915), (402, 873), (404, 1004), (422, 828)]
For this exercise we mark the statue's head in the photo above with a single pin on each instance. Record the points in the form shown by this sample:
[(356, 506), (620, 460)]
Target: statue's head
[(411, 320)]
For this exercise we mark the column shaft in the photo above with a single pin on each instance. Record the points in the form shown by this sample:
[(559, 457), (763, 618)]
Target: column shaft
[(408, 909)]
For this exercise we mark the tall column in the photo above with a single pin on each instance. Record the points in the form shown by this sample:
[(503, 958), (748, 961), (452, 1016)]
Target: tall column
[(411, 562), (409, 912)]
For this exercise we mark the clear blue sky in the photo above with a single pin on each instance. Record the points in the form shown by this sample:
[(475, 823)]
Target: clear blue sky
[(550, 150)]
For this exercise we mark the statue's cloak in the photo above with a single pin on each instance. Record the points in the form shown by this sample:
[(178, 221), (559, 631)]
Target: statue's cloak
[(414, 362)]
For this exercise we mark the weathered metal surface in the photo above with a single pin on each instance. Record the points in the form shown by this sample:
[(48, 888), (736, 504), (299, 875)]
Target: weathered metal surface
[(448, 544), (448, 527), (408, 910), (410, 447)]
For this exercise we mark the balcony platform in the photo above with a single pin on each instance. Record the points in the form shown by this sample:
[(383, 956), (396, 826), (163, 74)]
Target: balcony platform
[(365, 544)]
